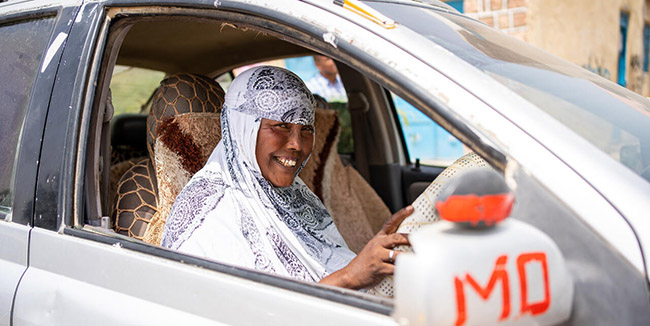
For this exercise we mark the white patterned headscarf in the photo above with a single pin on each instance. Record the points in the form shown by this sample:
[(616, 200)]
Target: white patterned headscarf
[(230, 213)]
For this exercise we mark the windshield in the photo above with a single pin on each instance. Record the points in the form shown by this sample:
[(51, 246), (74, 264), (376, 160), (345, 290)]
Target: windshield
[(614, 119)]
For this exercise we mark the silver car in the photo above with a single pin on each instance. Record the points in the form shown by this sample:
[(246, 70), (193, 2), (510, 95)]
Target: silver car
[(574, 147)]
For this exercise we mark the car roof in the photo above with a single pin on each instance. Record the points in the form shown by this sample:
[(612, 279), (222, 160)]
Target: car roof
[(208, 47)]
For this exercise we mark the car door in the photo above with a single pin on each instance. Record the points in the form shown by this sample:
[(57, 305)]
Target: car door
[(26, 31), (81, 274)]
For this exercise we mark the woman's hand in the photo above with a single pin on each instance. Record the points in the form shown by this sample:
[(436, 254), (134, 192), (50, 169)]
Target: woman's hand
[(374, 262)]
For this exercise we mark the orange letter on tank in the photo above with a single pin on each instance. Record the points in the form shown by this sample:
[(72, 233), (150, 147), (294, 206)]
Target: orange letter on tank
[(537, 307), (499, 273)]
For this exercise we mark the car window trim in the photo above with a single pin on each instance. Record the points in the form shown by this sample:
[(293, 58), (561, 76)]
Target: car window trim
[(398, 126), (343, 296), (20, 16), (33, 124), (295, 31)]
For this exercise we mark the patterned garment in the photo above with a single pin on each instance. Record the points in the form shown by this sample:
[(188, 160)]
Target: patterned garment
[(229, 212)]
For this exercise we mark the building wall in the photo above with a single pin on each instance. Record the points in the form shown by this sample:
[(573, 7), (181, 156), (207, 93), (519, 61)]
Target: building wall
[(585, 32), (509, 16)]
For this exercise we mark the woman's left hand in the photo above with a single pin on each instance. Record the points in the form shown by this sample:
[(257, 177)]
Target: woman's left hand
[(376, 259)]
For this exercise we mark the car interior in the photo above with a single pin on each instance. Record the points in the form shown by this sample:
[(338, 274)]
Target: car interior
[(376, 178), (138, 159)]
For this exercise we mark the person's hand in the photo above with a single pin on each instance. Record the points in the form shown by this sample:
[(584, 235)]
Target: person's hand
[(375, 260)]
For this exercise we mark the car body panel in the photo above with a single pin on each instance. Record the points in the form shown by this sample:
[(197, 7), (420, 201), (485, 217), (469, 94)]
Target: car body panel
[(66, 271), (14, 240), (55, 188)]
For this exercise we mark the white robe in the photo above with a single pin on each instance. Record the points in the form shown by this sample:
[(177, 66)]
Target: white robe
[(230, 213)]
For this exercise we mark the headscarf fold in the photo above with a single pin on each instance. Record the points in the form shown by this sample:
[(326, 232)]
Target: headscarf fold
[(230, 213)]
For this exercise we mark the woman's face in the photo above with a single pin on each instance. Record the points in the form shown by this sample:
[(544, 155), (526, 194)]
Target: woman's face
[(281, 149)]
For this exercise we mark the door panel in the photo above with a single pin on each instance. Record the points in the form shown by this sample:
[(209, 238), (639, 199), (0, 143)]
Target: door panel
[(98, 305), (14, 239), (73, 280), (417, 178)]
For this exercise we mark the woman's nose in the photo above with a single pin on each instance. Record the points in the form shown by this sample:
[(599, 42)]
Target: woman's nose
[(295, 139)]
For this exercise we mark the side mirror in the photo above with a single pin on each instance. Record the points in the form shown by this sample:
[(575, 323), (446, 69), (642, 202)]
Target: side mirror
[(478, 267)]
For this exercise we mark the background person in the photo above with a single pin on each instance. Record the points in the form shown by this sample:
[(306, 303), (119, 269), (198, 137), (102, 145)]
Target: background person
[(327, 83)]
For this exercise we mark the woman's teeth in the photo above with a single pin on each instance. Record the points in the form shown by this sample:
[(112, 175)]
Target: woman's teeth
[(286, 162)]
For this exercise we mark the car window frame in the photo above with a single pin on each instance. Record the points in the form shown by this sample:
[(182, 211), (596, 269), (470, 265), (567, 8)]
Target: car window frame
[(75, 226), (28, 154), (344, 55), (22, 23), (292, 30)]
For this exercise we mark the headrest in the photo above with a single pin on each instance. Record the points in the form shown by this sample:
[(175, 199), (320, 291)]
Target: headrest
[(326, 127), (127, 130), (180, 94)]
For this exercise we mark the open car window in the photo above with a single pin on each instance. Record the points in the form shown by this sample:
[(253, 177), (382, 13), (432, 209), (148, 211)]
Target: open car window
[(124, 191), (131, 86)]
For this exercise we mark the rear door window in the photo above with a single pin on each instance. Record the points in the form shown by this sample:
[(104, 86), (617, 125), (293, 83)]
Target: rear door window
[(22, 50)]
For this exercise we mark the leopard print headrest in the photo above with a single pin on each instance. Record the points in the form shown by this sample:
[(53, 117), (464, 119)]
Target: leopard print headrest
[(182, 93)]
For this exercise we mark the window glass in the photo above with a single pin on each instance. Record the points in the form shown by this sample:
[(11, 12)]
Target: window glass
[(23, 45), (425, 139), (612, 118), (132, 88)]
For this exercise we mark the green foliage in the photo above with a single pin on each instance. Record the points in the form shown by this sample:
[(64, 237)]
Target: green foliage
[(132, 88)]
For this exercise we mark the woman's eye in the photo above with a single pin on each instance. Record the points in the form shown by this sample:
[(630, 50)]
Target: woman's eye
[(282, 126), (309, 129)]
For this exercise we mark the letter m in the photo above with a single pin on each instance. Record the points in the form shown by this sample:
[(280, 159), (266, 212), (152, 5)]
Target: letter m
[(498, 274)]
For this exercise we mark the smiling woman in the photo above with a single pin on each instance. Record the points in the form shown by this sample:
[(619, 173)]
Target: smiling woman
[(232, 213), (248, 207), (281, 150)]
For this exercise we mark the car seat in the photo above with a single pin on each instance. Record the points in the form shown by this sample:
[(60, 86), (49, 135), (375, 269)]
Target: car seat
[(357, 210), (182, 129), (128, 146)]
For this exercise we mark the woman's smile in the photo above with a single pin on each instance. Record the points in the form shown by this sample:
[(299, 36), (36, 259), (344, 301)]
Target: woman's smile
[(281, 149), (286, 162)]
